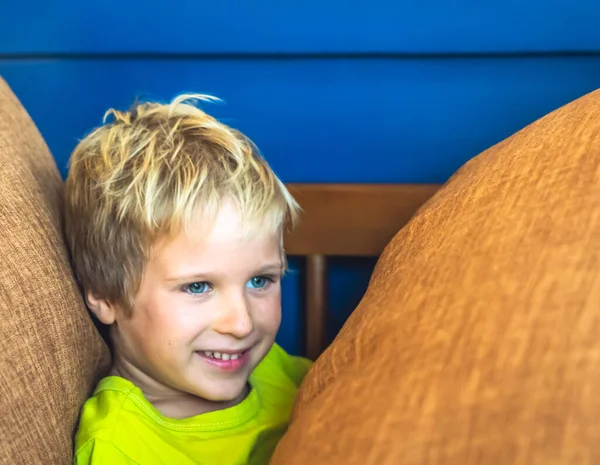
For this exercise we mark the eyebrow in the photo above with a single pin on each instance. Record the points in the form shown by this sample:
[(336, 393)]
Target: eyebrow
[(270, 268)]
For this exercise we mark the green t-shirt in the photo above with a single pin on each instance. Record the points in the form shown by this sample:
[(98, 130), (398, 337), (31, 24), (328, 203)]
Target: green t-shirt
[(119, 426)]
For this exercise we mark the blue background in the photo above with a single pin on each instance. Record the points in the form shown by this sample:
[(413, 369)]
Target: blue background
[(331, 91)]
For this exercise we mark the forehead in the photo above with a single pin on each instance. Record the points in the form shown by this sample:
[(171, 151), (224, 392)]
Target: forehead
[(225, 237)]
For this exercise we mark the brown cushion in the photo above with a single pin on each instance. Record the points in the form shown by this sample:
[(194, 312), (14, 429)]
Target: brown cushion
[(50, 351), (478, 340)]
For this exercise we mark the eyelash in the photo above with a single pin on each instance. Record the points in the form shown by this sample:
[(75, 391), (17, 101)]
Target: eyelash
[(270, 279)]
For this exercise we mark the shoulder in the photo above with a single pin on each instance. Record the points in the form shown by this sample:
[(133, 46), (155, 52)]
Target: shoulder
[(281, 364), (98, 451), (104, 412)]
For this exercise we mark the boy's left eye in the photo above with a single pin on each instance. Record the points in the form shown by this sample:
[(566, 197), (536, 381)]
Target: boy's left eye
[(259, 282)]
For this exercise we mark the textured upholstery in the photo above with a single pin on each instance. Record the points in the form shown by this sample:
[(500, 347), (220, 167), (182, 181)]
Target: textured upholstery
[(477, 341), (50, 352)]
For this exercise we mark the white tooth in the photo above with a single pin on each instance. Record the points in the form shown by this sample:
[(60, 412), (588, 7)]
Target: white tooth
[(217, 354), (225, 357), (235, 356), (208, 354)]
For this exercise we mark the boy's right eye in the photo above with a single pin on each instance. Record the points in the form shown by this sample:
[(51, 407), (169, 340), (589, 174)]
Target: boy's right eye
[(197, 288)]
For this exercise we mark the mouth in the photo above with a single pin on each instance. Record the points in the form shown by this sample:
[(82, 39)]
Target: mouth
[(228, 361)]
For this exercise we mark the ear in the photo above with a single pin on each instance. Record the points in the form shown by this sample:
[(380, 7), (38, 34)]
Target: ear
[(104, 311)]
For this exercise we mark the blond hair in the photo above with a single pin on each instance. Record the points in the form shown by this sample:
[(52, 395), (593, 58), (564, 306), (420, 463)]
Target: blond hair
[(148, 174)]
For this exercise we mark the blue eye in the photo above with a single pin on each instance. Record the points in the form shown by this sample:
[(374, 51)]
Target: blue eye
[(197, 288), (259, 282)]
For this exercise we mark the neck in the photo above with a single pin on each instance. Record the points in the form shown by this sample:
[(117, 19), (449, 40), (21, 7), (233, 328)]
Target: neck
[(169, 401)]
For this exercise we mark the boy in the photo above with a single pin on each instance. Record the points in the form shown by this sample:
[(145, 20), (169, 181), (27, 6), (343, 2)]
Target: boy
[(175, 225)]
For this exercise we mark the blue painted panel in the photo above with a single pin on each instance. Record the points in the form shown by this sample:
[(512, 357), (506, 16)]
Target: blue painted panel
[(372, 120), (290, 332), (348, 281), (308, 26)]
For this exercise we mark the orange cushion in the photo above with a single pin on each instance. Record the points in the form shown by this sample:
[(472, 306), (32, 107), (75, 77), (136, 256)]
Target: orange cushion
[(478, 340), (50, 352)]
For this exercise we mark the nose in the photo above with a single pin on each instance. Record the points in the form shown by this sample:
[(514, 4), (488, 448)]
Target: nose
[(235, 317)]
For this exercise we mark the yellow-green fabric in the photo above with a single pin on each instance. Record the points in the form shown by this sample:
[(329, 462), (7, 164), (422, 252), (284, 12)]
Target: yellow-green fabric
[(119, 426)]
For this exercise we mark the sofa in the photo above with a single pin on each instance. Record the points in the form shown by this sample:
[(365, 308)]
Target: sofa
[(475, 343)]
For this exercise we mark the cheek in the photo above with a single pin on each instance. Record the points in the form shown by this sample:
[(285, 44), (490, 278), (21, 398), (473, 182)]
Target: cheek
[(267, 312), (169, 320)]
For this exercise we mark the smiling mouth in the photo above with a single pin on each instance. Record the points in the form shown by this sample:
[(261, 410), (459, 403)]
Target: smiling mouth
[(230, 361), (222, 355)]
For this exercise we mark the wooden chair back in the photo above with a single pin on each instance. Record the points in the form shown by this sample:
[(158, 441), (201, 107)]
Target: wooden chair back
[(350, 220)]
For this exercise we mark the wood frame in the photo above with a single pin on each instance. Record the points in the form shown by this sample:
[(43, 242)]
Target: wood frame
[(351, 220)]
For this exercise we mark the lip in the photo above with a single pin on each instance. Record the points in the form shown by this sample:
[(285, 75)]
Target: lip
[(227, 365)]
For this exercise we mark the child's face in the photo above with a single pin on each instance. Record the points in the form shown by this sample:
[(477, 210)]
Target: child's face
[(207, 311)]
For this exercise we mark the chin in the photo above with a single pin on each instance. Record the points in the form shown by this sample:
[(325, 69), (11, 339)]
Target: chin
[(223, 395)]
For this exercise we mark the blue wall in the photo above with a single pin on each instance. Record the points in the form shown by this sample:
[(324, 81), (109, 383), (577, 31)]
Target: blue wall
[(338, 91)]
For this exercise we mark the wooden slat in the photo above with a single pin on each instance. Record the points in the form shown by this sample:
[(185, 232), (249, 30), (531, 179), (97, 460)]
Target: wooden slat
[(316, 305), (352, 219)]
